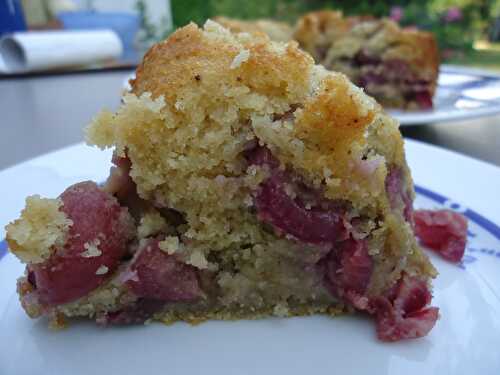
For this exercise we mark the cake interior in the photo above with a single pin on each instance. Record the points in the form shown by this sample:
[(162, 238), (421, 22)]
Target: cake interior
[(278, 247)]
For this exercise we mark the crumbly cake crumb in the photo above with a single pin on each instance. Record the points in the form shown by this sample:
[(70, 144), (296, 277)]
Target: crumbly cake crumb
[(109, 297), (152, 223), (170, 245), (41, 228), (198, 259)]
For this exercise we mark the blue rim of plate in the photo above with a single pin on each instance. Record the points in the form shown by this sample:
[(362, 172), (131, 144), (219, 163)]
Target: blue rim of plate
[(472, 215)]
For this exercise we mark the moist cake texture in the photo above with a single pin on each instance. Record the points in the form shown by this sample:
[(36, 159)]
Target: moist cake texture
[(247, 182), (397, 66)]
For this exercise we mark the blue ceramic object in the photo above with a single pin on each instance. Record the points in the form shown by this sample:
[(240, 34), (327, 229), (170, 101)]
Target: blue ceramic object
[(11, 16), (125, 24)]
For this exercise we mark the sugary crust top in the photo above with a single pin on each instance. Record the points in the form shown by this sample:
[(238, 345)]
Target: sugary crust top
[(382, 37), (195, 59)]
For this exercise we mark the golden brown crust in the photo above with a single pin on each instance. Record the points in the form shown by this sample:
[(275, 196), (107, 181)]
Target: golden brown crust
[(333, 120), (176, 64), (196, 317), (336, 114)]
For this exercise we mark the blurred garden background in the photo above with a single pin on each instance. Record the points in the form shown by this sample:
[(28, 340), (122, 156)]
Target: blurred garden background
[(468, 31)]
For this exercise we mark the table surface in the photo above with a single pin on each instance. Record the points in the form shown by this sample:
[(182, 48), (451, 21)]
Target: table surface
[(44, 113)]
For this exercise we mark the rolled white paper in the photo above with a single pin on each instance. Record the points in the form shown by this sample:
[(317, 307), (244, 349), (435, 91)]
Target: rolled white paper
[(42, 50)]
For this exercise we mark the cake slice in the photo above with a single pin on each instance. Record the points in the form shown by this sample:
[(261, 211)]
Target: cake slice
[(276, 30), (397, 66), (247, 182)]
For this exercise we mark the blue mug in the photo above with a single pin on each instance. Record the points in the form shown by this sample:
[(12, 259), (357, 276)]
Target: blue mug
[(11, 16)]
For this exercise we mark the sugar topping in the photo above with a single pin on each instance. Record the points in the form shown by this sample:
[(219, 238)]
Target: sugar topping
[(102, 270), (170, 245), (91, 249), (240, 58), (41, 228)]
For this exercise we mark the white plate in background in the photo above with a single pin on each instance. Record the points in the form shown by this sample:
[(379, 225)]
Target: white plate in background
[(462, 93), (464, 341)]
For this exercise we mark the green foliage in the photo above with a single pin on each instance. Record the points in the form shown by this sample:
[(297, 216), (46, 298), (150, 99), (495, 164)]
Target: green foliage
[(452, 35), (459, 34), (198, 11), (185, 11)]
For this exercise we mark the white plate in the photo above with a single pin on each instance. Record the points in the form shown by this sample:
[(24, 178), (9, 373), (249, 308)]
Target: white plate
[(465, 340), (462, 93)]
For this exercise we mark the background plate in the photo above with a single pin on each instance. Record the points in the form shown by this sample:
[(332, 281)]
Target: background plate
[(462, 93), (463, 341)]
